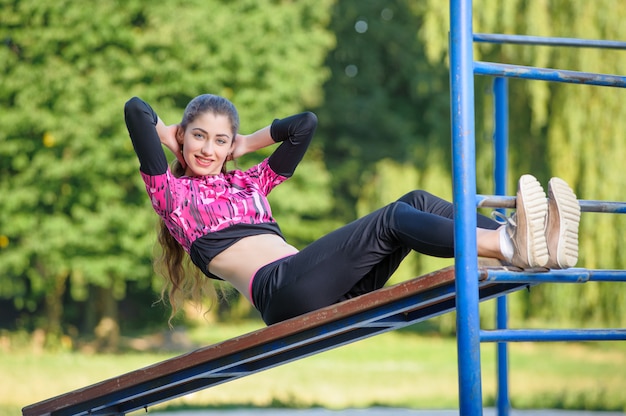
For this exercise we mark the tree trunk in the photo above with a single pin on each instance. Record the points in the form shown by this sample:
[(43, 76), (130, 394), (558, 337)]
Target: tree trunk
[(54, 307), (107, 331)]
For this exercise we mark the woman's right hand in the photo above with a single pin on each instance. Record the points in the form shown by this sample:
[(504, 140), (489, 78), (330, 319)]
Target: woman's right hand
[(169, 138)]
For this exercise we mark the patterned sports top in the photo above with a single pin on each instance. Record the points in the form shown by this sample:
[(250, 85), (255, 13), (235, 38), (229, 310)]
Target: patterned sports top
[(195, 206), (208, 214)]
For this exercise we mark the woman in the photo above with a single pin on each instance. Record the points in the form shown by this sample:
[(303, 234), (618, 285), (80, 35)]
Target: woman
[(224, 222)]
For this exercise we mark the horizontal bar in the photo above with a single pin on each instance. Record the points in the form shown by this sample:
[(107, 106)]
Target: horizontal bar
[(548, 74), (541, 275), (548, 41), (496, 201), (550, 335)]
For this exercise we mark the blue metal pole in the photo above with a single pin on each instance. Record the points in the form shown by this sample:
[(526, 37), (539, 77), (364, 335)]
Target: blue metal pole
[(464, 196), (501, 149), (548, 74), (548, 41), (586, 205), (553, 335), (573, 275), (501, 133)]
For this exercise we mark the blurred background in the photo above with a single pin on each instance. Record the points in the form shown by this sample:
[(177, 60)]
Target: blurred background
[(77, 232)]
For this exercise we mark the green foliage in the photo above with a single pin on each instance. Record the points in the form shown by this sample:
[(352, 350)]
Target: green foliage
[(571, 131), (65, 170), (384, 99), (74, 214), (74, 206)]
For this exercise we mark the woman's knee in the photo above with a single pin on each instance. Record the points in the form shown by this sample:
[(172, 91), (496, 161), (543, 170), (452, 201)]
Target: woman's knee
[(427, 202), (396, 213), (418, 198)]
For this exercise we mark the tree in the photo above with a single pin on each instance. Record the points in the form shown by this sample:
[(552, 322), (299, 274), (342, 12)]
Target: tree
[(386, 113), (75, 212), (384, 100), (571, 131)]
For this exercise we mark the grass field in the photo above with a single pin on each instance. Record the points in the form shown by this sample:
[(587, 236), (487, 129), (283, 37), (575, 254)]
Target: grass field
[(400, 368)]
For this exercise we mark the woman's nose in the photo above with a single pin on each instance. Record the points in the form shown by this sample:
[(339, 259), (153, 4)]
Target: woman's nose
[(207, 148)]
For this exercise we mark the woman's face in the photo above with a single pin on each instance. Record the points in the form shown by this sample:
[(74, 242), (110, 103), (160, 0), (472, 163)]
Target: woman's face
[(207, 142)]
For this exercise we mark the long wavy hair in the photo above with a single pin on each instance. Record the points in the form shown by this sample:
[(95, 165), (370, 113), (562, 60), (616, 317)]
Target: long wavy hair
[(183, 280)]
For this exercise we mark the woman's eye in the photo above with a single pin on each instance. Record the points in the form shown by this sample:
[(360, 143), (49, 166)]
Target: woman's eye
[(221, 141), (198, 136)]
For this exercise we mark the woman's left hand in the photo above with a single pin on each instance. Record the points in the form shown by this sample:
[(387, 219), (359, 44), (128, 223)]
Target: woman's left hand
[(239, 146)]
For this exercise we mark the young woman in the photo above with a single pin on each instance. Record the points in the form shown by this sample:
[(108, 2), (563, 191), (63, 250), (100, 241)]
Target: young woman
[(223, 221)]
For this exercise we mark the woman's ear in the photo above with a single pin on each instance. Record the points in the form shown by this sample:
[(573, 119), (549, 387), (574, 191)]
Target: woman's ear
[(180, 135)]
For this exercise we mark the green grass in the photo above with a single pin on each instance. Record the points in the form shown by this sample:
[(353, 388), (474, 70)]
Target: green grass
[(395, 369)]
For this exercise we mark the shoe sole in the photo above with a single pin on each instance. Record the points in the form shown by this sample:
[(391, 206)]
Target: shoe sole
[(564, 201), (535, 207)]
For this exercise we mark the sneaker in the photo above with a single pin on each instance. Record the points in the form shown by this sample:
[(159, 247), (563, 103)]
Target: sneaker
[(562, 225), (526, 227)]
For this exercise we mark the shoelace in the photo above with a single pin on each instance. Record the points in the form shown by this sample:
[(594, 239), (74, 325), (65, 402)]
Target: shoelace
[(502, 219)]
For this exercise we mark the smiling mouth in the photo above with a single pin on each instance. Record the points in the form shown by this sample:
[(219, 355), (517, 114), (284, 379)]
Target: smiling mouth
[(203, 161)]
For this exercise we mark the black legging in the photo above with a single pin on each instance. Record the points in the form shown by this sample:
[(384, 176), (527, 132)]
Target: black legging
[(357, 258)]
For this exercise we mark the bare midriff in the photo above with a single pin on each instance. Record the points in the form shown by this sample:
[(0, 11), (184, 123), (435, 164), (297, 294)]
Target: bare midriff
[(239, 263)]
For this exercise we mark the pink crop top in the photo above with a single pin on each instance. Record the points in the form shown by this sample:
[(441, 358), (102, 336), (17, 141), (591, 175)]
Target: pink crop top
[(195, 206)]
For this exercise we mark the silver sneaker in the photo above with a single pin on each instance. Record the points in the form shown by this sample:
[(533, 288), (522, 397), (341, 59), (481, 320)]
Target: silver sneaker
[(526, 227), (562, 225)]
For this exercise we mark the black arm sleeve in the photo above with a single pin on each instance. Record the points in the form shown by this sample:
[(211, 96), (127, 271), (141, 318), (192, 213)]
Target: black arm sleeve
[(295, 133), (141, 123)]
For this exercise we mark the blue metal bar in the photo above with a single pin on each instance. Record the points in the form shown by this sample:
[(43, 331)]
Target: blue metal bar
[(499, 201), (548, 41), (552, 335), (501, 150), (501, 134), (464, 191), (573, 275), (547, 74)]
